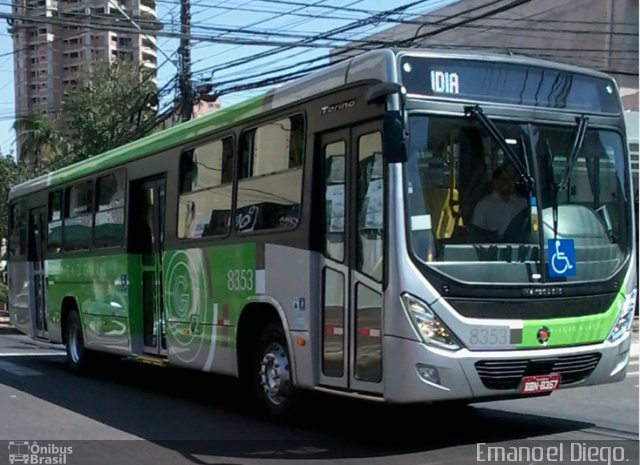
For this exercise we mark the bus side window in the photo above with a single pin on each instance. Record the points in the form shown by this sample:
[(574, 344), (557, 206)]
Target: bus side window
[(370, 205), (206, 176), (109, 220), (270, 180), (77, 231), (334, 159), (18, 237), (54, 234)]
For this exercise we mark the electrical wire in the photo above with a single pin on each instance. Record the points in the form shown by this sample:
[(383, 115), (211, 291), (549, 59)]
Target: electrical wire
[(350, 26), (289, 76)]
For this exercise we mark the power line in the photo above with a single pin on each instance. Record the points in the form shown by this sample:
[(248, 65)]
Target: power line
[(432, 15), (287, 26), (440, 21), (309, 43), (343, 52), (387, 18), (135, 24), (298, 4), (354, 25)]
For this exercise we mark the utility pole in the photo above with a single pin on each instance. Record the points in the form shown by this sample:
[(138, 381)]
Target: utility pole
[(186, 89)]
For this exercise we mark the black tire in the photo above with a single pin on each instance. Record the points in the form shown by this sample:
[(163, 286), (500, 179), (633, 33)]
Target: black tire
[(272, 378), (78, 356)]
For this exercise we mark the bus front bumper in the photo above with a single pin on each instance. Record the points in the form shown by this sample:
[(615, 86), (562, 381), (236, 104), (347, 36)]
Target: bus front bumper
[(415, 372)]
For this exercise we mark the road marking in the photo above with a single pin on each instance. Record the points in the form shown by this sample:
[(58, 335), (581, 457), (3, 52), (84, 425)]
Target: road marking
[(632, 373), (32, 354), (17, 369)]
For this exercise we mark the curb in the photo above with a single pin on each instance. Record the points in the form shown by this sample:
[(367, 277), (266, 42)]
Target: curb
[(8, 330), (5, 325)]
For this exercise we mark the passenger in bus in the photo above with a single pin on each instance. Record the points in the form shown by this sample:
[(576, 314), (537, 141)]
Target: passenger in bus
[(494, 212)]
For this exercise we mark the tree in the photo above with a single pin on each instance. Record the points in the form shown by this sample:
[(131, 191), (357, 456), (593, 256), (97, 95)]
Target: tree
[(40, 143), (116, 105)]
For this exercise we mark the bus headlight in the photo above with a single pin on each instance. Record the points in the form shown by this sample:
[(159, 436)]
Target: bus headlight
[(432, 330), (625, 318)]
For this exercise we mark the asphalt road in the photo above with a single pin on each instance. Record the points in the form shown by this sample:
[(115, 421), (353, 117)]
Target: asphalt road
[(178, 416)]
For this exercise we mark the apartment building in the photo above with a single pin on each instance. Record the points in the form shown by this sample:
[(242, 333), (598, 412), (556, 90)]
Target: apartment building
[(57, 40)]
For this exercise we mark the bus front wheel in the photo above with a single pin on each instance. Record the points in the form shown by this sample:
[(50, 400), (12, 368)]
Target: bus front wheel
[(77, 354), (272, 378)]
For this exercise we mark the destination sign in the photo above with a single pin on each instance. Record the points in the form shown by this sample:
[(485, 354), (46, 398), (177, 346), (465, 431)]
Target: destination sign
[(508, 83)]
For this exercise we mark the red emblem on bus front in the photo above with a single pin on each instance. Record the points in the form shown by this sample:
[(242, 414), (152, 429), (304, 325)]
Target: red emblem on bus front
[(543, 335)]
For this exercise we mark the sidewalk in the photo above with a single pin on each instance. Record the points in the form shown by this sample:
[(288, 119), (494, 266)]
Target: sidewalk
[(5, 325)]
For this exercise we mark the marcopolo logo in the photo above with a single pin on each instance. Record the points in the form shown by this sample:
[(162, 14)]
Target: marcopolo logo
[(543, 335), (33, 453)]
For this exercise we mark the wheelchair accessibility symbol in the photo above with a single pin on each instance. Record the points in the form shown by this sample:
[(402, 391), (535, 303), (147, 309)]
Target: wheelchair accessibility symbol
[(561, 259)]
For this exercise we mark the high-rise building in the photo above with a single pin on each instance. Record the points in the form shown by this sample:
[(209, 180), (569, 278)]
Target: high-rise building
[(55, 43)]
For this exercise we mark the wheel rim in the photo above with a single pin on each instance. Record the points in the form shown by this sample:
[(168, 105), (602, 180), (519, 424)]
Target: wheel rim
[(274, 374), (74, 339)]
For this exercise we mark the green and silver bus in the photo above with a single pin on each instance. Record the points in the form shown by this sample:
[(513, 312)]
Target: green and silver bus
[(406, 225)]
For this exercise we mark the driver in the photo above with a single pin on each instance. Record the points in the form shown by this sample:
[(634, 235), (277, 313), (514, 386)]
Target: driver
[(496, 211)]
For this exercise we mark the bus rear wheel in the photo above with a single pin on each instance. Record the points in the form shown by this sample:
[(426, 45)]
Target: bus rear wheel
[(77, 355), (273, 384)]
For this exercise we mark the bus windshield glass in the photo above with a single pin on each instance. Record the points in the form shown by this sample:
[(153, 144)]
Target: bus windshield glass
[(477, 215)]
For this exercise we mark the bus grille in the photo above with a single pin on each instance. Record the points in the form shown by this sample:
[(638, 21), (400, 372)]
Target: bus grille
[(507, 374)]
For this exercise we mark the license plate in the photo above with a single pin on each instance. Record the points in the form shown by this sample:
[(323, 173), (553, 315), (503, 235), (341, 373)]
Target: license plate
[(541, 383)]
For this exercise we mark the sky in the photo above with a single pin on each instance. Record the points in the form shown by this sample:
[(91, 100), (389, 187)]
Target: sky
[(263, 15)]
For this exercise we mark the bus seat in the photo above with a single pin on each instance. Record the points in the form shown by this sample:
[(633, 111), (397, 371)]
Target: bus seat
[(445, 211)]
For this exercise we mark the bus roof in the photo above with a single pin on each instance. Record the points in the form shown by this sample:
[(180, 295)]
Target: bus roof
[(373, 65)]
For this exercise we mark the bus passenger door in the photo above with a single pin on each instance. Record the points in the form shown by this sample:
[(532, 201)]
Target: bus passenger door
[(146, 219), (37, 246), (333, 152), (351, 339), (366, 254)]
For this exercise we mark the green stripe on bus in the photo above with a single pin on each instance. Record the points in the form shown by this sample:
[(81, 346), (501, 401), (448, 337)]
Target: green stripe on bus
[(159, 141), (574, 330)]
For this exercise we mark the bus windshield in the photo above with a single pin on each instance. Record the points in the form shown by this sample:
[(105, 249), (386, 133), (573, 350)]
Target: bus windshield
[(485, 210)]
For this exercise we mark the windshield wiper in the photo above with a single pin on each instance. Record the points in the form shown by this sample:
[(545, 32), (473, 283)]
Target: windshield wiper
[(554, 186), (578, 140), (523, 170)]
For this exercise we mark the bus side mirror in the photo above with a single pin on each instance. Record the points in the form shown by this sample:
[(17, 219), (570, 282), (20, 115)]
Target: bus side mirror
[(394, 147)]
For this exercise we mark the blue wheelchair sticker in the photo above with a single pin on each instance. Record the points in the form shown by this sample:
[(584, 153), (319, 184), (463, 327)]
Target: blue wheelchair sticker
[(561, 258)]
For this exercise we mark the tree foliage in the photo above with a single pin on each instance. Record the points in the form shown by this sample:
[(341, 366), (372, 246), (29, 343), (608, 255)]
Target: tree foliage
[(39, 139), (114, 106)]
